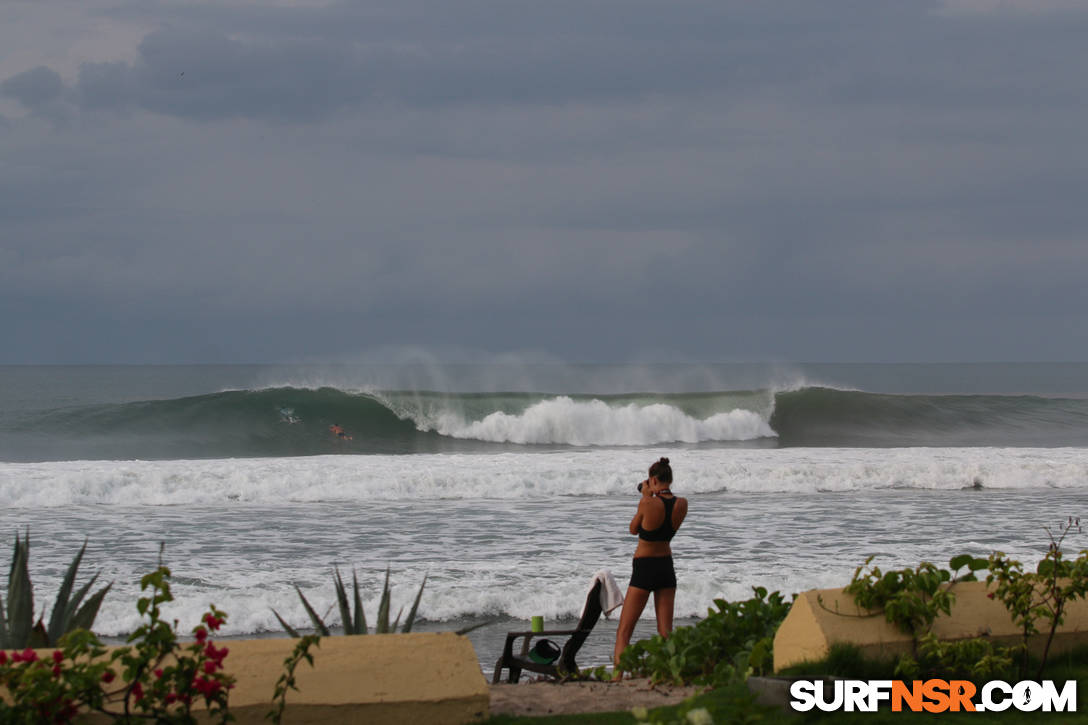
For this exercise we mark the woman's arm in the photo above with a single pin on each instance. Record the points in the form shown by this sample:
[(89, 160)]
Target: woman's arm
[(680, 512), (643, 504), (636, 521)]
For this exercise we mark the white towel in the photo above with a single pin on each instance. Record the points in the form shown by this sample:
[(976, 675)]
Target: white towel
[(611, 596)]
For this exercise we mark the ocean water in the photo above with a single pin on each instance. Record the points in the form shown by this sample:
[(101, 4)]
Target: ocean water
[(509, 486)]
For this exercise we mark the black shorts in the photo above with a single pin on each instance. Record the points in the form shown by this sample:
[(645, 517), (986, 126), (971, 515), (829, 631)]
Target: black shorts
[(653, 573)]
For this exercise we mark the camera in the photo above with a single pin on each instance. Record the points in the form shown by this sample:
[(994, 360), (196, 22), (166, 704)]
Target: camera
[(640, 486)]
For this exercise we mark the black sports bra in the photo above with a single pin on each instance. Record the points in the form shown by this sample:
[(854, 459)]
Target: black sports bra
[(665, 531)]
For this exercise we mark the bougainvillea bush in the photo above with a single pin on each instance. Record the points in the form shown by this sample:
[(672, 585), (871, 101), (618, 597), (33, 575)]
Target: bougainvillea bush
[(154, 678)]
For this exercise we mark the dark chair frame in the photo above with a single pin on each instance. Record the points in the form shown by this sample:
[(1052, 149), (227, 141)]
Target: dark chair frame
[(563, 666)]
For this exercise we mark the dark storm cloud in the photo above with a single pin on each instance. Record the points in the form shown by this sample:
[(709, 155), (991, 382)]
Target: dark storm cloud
[(34, 88), (286, 63)]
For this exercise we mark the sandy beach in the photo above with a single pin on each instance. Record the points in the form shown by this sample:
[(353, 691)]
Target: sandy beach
[(542, 697)]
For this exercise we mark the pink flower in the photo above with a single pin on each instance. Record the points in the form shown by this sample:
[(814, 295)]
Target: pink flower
[(29, 655), (158, 674), (56, 670), (990, 595), (213, 621), (199, 683), (58, 656), (108, 676), (201, 634), (3, 657), (171, 698), (210, 667), (138, 691), (206, 687), (215, 654)]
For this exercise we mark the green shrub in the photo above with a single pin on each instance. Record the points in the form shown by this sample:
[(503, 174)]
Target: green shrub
[(976, 659), (1042, 595), (733, 641), (910, 599), (155, 678), (355, 623)]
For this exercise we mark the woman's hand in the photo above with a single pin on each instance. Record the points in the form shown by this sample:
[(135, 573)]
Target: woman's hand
[(646, 490)]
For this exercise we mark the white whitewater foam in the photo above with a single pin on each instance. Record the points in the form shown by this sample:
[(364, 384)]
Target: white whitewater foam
[(562, 420), (488, 557), (519, 476)]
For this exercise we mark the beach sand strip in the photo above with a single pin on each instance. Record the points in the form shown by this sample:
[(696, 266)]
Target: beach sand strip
[(543, 697)]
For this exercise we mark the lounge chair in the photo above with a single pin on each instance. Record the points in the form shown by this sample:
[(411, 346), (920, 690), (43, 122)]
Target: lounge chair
[(565, 664)]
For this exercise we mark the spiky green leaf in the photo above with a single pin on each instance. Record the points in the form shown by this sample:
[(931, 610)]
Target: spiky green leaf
[(342, 602), (383, 607), (84, 618), (58, 622), (360, 615), (396, 621), (20, 595), (319, 625), (3, 627), (291, 631), (74, 601), (415, 607)]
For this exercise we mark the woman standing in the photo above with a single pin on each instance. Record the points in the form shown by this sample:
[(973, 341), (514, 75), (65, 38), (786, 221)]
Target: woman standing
[(658, 517)]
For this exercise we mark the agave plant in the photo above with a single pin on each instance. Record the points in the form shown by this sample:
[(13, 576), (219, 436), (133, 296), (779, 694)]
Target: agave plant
[(17, 627), (356, 623)]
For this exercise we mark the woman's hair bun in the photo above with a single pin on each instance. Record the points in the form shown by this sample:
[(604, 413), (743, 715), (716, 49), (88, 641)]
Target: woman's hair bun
[(662, 471)]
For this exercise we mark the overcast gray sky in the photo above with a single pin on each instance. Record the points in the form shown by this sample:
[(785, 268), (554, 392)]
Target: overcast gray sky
[(579, 180)]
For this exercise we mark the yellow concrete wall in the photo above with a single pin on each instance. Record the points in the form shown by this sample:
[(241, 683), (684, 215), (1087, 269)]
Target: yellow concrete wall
[(810, 628), (429, 677)]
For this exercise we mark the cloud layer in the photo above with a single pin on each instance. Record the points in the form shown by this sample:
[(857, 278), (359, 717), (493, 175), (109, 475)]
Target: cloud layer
[(729, 180)]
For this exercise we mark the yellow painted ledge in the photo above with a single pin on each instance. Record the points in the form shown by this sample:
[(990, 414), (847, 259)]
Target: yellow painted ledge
[(431, 677), (809, 629)]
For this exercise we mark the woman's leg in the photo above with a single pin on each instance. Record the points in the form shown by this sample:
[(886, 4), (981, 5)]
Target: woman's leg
[(633, 604), (664, 599)]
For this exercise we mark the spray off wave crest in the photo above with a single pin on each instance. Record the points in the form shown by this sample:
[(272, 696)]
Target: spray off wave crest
[(565, 421)]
